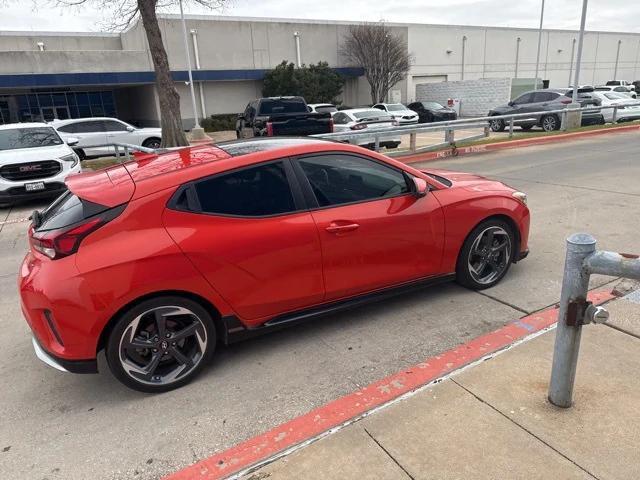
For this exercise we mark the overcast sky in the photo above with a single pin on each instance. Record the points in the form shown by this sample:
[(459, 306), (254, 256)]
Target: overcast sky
[(616, 15)]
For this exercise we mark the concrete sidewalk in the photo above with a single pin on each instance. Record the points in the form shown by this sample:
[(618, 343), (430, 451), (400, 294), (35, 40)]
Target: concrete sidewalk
[(493, 421)]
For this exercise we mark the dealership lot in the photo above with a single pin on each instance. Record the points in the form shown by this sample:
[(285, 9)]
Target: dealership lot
[(65, 426)]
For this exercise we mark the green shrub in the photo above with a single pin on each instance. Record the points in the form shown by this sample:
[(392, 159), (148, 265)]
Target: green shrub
[(316, 83), (221, 122)]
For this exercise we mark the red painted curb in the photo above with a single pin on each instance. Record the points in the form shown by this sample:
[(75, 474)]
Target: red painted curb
[(525, 142), (353, 405)]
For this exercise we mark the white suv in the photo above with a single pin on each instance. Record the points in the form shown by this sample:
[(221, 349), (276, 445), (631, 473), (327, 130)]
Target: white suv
[(34, 162), (103, 130)]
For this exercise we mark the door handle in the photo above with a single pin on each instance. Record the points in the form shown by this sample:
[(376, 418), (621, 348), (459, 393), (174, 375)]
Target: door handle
[(336, 228)]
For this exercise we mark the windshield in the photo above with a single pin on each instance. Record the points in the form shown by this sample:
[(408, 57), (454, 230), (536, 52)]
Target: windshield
[(326, 108), (602, 89), (616, 96), (371, 114), (396, 107), (432, 105), (33, 137)]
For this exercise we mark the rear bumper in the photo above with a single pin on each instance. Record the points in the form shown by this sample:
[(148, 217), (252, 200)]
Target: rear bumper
[(70, 366)]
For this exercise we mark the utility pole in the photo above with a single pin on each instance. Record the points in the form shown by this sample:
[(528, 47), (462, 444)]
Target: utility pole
[(615, 70), (583, 21), (539, 43), (518, 40)]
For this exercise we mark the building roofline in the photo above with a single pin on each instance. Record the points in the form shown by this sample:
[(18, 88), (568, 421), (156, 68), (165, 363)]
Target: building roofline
[(44, 33), (231, 18)]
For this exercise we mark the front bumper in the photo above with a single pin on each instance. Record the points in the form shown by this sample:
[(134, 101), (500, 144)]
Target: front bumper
[(14, 190), (522, 255), (71, 366)]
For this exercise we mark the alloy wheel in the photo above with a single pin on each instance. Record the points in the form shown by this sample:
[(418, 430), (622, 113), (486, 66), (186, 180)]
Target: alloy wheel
[(496, 125), (549, 124), (162, 345), (489, 255)]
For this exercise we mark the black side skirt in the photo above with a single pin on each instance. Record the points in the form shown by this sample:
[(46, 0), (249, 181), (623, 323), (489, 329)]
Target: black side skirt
[(235, 331)]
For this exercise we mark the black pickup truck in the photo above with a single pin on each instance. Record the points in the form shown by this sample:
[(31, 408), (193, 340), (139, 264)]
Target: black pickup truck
[(276, 116)]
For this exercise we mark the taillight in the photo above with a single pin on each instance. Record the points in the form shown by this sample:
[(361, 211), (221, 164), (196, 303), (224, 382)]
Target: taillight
[(359, 126), (269, 129), (566, 102), (63, 242)]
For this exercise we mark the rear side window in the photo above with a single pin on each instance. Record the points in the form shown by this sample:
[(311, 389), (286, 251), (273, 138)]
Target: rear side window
[(252, 192), (545, 96), (341, 179), (67, 210), (525, 98), (282, 105)]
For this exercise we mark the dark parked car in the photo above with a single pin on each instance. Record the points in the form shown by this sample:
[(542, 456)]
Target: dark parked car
[(432, 112), (545, 100), (274, 116)]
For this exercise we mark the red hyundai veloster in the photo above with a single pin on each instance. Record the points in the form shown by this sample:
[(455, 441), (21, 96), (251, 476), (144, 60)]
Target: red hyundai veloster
[(158, 260)]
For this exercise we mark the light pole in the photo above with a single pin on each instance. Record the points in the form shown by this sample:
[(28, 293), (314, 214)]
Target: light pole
[(573, 51), (539, 43), (583, 20), (615, 70), (186, 49), (518, 40), (464, 44)]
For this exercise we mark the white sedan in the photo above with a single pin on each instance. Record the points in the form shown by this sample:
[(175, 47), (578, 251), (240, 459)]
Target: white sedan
[(617, 89), (359, 119), (398, 111), (103, 130), (628, 108)]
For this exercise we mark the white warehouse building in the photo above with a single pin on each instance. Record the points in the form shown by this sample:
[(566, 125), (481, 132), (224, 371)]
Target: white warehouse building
[(46, 75)]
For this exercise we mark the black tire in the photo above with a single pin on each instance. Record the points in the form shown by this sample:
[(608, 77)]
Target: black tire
[(526, 128), (470, 256), (391, 145), (80, 153), (152, 143), (550, 123), (154, 354), (497, 125)]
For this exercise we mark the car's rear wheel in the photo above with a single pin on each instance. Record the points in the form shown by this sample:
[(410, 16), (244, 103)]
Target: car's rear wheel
[(497, 125), (152, 143), (550, 123), (161, 344), (486, 255)]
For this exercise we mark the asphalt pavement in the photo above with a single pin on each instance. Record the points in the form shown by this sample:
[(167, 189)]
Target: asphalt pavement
[(62, 426)]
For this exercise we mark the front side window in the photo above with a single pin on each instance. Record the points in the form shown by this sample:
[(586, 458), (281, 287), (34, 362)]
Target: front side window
[(93, 126), (526, 98), (341, 179), (16, 138), (113, 126), (252, 192)]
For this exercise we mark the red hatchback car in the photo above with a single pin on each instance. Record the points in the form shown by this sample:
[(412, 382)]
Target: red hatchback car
[(158, 260)]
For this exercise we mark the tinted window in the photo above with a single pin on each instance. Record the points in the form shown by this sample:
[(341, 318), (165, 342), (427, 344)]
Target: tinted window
[(545, 96), (340, 179), (90, 127), (371, 114), (113, 126), (251, 192), (432, 105), (326, 108), (28, 138), (71, 128), (525, 98), (282, 105), (67, 210), (620, 89)]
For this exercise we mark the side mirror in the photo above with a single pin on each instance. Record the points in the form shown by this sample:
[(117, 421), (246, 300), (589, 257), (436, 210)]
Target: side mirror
[(511, 103), (71, 141), (130, 128), (421, 187)]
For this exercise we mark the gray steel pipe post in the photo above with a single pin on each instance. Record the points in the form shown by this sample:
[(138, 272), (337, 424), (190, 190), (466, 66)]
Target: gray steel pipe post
[(575, 285)]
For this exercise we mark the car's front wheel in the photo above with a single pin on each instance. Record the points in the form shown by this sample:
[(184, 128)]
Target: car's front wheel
[(497, 125), (161, 344), (152, 143), (486, 255)]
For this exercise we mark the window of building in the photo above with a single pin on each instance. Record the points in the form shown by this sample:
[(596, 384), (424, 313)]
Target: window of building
[(340, 179), (251, 192)]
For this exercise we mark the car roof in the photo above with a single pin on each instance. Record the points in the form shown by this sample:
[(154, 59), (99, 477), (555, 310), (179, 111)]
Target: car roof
[(360, 109), (321, 104), (12, 126), (57, 122)]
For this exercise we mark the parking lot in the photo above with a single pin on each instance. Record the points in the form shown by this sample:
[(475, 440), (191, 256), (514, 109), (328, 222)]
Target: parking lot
[(62, 426)]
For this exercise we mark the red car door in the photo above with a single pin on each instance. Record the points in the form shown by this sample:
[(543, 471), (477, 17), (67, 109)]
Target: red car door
[(373, 230), (251, 239)]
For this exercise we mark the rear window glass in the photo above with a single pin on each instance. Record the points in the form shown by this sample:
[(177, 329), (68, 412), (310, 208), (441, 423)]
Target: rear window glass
[(283, 105), (326, 108), (371, 114), (67, 210)]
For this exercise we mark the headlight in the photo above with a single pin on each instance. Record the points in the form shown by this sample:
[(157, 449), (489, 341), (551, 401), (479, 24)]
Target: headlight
[(520, 196), (72, 157)]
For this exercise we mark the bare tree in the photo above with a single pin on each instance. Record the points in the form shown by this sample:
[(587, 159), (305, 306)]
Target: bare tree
[(383, 55), (124, 13)]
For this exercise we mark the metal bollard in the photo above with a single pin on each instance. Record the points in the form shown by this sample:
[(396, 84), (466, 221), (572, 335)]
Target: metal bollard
[(615, 115), (575, 286), (563, 122), (412, 142), (511, 128)]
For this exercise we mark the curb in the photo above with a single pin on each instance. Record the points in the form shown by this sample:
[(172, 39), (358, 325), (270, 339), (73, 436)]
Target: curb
[(321, 421), (525, 142)]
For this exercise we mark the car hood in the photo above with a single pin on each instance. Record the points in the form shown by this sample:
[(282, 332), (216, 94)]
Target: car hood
[(22, 155), (150, 131), (470, 181), (401, 113), (501, 109)]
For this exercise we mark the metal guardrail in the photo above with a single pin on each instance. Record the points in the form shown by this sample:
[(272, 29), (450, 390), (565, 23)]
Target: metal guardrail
[(581, 262), (449, 127), (127, 148)]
